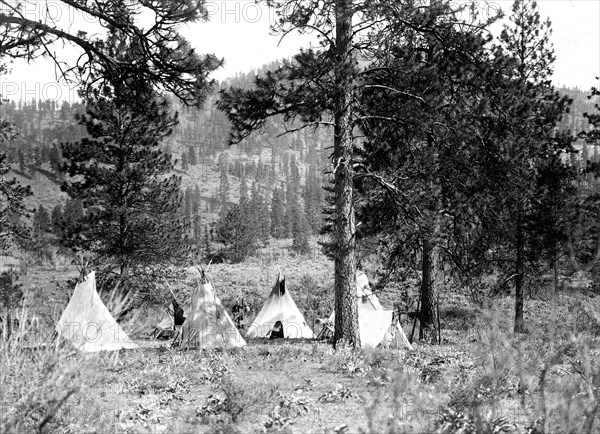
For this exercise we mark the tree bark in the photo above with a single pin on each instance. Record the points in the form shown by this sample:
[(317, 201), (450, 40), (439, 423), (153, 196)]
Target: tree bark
[(428, 330), (427, 315), (346, 306), (519, 272)]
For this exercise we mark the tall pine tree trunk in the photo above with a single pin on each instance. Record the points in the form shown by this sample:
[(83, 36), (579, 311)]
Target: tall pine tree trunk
[(428, 330), (346, 306), (426, 317), (519, 274)]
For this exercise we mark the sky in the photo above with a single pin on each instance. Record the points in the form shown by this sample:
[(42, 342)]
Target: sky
[(238, 31)]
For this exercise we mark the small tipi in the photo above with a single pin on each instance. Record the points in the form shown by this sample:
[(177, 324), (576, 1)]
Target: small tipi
[(377, 326), (280, 307), (87, 323), (208, 324)]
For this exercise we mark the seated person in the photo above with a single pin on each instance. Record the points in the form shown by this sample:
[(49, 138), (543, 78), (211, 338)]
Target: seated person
[(277, 331)]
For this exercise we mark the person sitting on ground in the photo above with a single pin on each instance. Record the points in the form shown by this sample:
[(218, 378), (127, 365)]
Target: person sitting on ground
[(178, 315), (277, 331)]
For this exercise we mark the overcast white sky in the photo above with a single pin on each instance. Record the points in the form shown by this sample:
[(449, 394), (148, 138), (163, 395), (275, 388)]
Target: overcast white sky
[(239, 32)]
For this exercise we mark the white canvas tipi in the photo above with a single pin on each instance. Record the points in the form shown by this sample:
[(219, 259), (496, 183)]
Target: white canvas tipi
[(208, 324), (280, 307), (87, 323), (377, 326)]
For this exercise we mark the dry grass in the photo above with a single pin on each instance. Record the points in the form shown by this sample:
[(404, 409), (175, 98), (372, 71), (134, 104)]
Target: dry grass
[(482, 379)]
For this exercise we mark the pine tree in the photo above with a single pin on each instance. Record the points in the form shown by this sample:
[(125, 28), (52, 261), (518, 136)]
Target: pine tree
[(56, 218), (41, 229), (224, 183), (236, 231), (324, 85), (255, 206), (265, 227), (277, 214), (301, 232), (41, 220), (411, 167), (187, 204), (317, 87), (121, 177), (197, 201), (583, 241), (55, 159), (72, 217), (537, 109), (164, 59)]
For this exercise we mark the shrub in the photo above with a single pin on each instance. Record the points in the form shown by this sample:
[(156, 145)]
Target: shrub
[(288, 408), (36, 384)]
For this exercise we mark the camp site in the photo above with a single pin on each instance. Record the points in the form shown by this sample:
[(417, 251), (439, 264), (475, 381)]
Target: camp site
[(300, 216)]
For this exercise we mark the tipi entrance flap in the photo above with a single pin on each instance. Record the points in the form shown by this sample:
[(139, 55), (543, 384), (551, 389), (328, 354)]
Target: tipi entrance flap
[(88, 324)]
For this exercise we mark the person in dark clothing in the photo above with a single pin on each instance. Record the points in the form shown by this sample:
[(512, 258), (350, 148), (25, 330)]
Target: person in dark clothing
[(178, 316), (277, 331), (239, 310)]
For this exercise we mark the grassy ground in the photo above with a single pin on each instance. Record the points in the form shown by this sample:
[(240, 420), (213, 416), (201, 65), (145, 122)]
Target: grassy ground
[(481, 379)]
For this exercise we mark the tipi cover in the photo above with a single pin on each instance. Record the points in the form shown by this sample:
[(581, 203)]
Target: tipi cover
[(208, 324), (280, 306), (376, 325), (171, 317), (367, 301), (87, 323)]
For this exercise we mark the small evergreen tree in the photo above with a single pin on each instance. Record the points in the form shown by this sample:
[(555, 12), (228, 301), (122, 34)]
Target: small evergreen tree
[(187, 204), (207, 241), (223, 183), (265, 226), (301, 232), (237, 233), (41, 220), (197, 200), (120, 175), (56, 218), (277, 214)]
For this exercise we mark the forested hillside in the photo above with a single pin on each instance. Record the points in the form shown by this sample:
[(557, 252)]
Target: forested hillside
[(235, 198)]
